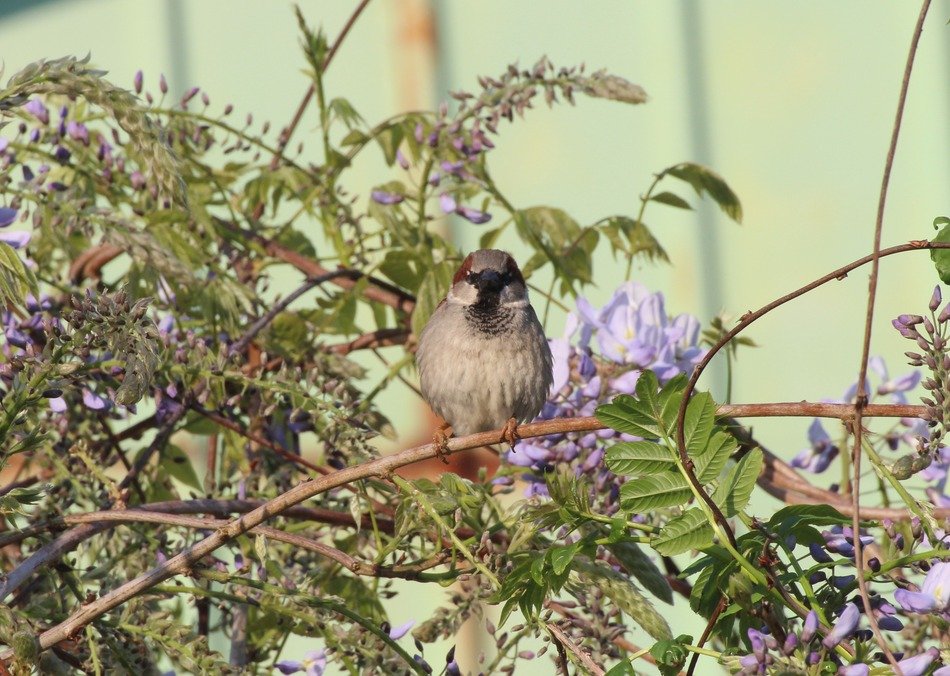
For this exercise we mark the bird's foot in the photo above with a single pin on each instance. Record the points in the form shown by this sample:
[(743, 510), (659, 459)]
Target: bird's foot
[(441, 441), (510, 432)]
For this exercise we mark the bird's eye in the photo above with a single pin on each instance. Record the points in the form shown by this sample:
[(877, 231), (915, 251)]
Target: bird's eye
[(472, 278), (506, 278)]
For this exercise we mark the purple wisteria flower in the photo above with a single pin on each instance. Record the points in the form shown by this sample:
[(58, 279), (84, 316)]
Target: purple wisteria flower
[(918, 664), (844, 627), (819, 456), (632, 323), (383, 197), (314, 663), (822, 450), (17, 238), (809, 627), (37, 109), (397, 633), (7, 216), (934, 594), (633, 328), (449, 205), (854, 670)]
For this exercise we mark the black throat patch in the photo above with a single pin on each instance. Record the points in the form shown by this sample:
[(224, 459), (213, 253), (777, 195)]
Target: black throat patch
[(489, 317)]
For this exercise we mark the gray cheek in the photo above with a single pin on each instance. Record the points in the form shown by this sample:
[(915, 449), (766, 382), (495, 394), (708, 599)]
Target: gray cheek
[(512, 293)]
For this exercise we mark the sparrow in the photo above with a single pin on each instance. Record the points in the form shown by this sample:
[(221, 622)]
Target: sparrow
[(484, 362)]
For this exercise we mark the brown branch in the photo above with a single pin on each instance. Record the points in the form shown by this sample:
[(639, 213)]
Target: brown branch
[(380, 468), (85, 528), (378, 291), (241, 343), (229, 424), (580, 621), (372, 340), (717, 611), (565, 641), (861, 399), (88, 264), (407, 571)]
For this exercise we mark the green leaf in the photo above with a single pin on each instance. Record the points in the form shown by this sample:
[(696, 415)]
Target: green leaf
[(689, 530), (354, 138), (344, 111), (560, 241), (705, 180), (537, 570), (622, 668), (16, 280), (403, 267), (941, 257), (434, 286), (653, 492), (632, 237), (624, 415), (635, 458), (711, 461), (637, 563), (561, 556), (802, 520), (177, 465), (389, 140), (734, 492), (296, 241), (13, 501), (650, 413), (671, 655), (698, 423), (671, 199)]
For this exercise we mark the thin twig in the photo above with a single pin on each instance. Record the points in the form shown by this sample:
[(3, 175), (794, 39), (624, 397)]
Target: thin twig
[(241, 343), (234, 426), (371, 340), (378, 290), (717, 611), (861, 400), (288, 131), (165, 432)]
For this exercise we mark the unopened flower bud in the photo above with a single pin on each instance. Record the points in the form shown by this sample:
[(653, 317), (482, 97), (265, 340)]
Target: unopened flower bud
[(935, 299)]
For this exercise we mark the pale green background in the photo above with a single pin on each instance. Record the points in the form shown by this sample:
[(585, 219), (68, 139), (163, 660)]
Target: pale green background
[(791, 102)]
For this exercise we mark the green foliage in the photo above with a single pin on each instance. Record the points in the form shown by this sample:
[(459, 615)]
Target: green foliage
[(941, 257), (707, 182), (659, 480), (16, 280), (671, 655)]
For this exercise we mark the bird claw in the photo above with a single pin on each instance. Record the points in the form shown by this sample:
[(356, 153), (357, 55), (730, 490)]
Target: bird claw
[(441, 441), (510, 432)]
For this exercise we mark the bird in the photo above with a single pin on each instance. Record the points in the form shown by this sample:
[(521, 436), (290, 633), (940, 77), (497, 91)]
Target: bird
[(484, 361)]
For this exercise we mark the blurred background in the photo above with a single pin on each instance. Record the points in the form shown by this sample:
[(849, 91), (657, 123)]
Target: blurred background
[(791, 103)]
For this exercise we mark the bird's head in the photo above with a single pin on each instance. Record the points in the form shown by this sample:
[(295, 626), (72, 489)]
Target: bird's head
[(488, 278)]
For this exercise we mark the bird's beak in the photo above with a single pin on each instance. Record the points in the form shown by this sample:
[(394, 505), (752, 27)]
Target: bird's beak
[(488, 281)]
